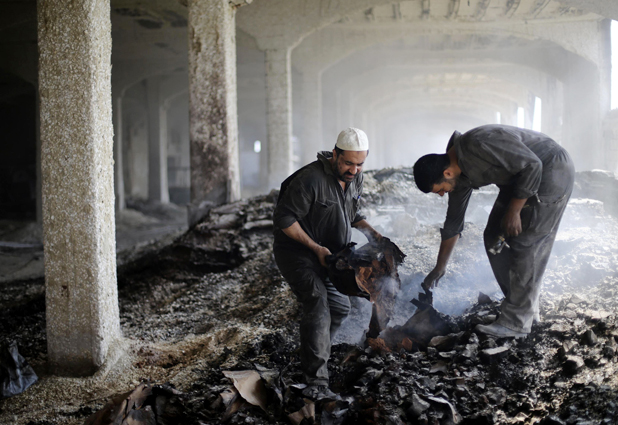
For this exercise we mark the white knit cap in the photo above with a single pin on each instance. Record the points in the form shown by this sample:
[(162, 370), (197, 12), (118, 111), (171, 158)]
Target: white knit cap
[(352, 139)]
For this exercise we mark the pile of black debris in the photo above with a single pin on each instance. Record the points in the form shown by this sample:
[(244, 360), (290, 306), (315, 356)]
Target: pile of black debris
[(211, 314), (563, 373)]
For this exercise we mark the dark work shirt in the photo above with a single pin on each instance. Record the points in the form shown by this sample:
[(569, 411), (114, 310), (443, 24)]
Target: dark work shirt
[(314, 198), (506, 156)]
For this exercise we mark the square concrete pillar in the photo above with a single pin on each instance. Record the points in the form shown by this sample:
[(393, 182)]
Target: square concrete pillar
[(312, 128), (213, 120), (78, 190), (118, 150), (157, 142), (279, 115)]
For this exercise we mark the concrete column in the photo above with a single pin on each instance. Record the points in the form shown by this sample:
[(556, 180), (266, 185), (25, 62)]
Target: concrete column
[(39, 190), (118, 162), (582, 118), (279, 115), (78, 190), (347, 109), (157, 142), (312, 131), (610, 134), (342, 109), (552, 110), (213, 119)]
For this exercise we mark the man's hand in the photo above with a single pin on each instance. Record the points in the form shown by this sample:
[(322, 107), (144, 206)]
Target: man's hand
[(322, 252), (433, 278), (299, 235), (511, 223)]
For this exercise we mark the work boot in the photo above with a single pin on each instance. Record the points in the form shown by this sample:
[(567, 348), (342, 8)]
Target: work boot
[(500, 331), (320, 392)]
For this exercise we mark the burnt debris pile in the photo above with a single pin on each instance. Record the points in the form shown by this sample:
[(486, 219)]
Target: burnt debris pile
[(562, 373), (211, 314)]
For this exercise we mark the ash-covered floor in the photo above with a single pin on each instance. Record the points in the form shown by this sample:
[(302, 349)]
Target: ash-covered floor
[(213, 301)]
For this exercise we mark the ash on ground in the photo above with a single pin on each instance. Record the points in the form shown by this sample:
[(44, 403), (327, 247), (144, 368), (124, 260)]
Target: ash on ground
[(212, 302)]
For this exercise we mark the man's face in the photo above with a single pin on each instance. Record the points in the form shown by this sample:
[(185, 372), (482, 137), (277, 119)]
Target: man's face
[(347, 165), (446, 186)]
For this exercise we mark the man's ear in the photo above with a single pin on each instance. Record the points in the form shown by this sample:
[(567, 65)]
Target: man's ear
[(334, 154), (449, 173)]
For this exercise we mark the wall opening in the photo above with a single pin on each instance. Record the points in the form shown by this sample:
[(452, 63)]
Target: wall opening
[(18, 152), (521, 117), (536, 117), (614, 59)]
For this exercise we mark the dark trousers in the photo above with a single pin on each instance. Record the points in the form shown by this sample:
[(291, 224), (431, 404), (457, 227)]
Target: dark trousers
[(324, 308), (519, 270)]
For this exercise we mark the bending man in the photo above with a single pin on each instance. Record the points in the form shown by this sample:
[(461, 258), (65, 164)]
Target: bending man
[(535, 176), (317, 207)]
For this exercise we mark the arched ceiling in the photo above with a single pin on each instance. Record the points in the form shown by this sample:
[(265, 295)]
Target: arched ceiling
[(457, 75), (283, 23)]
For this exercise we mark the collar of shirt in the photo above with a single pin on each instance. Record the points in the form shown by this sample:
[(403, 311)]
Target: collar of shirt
[(324, 157), (463, 179)]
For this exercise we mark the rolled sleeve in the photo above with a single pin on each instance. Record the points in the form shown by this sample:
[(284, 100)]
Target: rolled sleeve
[(456, 212), (358, 217), (528, 179), (293, 206)]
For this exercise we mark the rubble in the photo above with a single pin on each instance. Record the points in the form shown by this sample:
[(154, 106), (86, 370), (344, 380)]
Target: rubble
[(211, 307)]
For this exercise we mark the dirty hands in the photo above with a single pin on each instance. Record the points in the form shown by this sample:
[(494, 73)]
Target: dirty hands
[(511, 222), (433, 278), (322, 252)]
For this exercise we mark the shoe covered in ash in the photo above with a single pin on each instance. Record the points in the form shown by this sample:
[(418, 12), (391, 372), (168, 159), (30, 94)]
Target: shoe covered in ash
[(320, 392), (500, 331)]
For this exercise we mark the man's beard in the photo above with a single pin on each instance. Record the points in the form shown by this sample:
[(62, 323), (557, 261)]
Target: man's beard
[(453, 182), (345, 177), (342, 177)]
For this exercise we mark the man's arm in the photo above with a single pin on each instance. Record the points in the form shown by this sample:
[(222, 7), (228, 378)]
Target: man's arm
[(366, 229), (299, 235), (453, 225), (511, 222), (446, 248)]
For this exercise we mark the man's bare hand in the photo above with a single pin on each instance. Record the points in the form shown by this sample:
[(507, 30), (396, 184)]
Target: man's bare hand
[(433, 278), (322, 252), (511, 223)]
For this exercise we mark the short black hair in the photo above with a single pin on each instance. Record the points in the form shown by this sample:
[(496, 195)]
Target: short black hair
[(429, 170)]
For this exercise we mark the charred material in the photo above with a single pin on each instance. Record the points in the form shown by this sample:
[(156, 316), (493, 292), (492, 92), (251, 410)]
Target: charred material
[(369, 272), (145, 405), (192, 328)]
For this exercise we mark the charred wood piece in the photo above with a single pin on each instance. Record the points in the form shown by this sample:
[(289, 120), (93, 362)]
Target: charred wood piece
[(369, 272)]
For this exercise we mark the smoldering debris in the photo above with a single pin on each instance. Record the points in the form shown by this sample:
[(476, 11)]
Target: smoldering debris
[(370, 272), (194, 313), (459, 378)]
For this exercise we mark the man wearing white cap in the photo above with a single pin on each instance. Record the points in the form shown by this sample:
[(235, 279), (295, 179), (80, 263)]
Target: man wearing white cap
[(317, 207)]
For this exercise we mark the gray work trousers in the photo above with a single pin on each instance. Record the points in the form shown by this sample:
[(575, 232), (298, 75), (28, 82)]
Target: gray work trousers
[(324, 308), (519, 270)]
